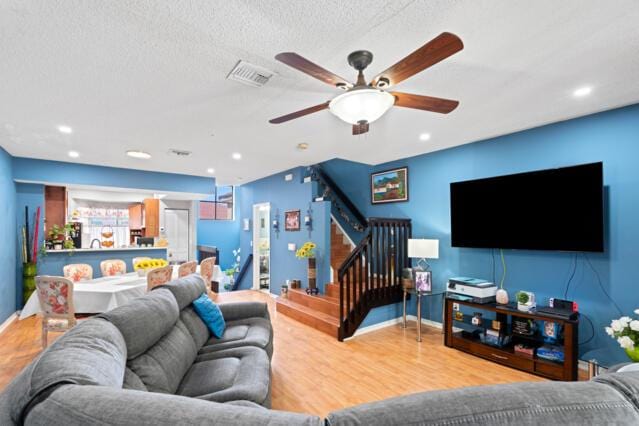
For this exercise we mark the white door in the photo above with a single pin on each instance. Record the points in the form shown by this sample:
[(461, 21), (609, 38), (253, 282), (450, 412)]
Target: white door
[(261, 247), (176, 227)]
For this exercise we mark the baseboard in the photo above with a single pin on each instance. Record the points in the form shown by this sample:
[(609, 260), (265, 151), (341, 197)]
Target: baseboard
[(394, 321), (8, 321)]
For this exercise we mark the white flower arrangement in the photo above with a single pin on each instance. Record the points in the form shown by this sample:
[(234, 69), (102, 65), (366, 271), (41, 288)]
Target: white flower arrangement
[(626, 331)]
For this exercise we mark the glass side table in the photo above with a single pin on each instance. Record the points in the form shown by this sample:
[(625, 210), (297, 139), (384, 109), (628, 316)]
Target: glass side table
[(603, 358), (419, 295)]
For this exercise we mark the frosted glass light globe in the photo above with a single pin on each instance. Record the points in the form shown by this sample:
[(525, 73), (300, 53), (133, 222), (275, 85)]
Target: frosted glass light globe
[(361, 105)]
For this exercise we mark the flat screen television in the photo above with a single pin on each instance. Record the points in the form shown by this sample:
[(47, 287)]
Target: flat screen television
[(557, 209)]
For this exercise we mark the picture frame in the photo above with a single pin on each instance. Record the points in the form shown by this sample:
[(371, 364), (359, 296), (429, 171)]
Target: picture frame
[(292, 220), (423, 281), (389, 186)]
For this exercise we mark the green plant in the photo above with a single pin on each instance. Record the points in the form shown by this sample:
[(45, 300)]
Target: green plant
[(58, 233), (522, 297), (68, 244)]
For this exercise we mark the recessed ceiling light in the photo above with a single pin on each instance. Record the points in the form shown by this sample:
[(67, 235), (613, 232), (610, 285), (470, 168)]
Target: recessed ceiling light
[(138, 154), (73, 154), (302, 146), (65, 129), (424, 137), (582, 91), (210, 170), (236, 156)]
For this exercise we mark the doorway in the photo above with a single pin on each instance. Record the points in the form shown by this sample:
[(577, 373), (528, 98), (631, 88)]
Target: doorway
[(176, 228), (261, 247)]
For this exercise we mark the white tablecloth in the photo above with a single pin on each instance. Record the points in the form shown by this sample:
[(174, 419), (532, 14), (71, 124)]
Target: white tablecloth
[(97, 295), (106, 293)]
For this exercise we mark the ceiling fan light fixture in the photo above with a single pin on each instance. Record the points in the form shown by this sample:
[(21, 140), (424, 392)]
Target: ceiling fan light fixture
[(366, 104)]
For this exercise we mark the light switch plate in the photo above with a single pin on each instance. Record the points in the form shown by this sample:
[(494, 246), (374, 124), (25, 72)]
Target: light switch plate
[(288, 177), (291, 247)]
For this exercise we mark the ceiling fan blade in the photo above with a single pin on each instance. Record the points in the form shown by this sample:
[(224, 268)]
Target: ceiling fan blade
[(360, 128), (427, 103), (436, 50), (298, 114), (307, 67)]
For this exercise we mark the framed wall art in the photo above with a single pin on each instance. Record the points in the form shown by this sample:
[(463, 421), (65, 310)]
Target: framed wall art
[(292, 220), (389, 186)]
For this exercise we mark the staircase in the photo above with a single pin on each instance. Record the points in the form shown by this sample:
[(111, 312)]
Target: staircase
[(364, 277), (341, 248)]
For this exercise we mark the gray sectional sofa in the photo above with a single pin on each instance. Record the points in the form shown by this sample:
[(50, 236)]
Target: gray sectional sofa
[(153, 362)]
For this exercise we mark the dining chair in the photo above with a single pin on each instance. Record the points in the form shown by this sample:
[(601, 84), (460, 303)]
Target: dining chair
[(206, 269), (55, 295), (158, 277), (112, 267), (78, 272), (187, 268), (137, 259)]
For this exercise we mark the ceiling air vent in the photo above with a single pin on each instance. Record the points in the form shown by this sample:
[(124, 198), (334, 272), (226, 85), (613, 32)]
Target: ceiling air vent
[(249, 74), (179, 152)]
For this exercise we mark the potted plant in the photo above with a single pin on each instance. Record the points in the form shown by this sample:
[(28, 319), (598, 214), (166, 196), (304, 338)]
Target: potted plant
[(525, 301), (626, 331), (57, 236), (307, 251)]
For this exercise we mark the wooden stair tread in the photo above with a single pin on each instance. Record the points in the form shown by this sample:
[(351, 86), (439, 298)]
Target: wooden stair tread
[(311, 317), (316, 302)]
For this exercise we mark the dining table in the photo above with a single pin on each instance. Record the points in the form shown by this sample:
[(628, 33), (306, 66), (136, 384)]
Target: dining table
[(106, 293)]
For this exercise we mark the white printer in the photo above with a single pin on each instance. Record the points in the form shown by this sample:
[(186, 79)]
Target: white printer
[(473, 289)]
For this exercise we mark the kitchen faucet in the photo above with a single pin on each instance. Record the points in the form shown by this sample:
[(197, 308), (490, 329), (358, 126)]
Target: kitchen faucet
[(93, 241)]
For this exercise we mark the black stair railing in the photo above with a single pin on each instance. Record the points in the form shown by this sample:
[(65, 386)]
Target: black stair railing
[(240, 276), (340, 203), (371, 275)]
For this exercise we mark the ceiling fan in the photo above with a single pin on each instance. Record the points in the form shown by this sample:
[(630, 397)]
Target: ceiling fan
[(362, 103)]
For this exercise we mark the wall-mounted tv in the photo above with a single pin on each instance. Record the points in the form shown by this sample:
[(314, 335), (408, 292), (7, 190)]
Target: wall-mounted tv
[(556, 209)]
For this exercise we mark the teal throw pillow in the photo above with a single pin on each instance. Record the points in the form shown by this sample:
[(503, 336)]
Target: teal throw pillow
[(211, 314)]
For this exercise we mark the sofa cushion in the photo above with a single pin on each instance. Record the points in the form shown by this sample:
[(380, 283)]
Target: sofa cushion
[(133, 381), (198, 330), (91, 353), (185, 290), (559, 403), (144, 320), (162, 366), (256, 332), (210, 314), (230, 375), (72, 405)]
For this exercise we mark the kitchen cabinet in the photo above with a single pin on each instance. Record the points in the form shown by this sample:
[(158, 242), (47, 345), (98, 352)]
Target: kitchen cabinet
[(136, 216), (151, 217), (55, 206)]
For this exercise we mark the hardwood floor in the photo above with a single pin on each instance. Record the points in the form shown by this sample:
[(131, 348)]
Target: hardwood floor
[(314, 373)]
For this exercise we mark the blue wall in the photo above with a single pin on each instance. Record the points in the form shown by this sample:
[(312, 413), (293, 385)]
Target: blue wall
[(611, 137), (7, 230), (30, 169), (223, 234), (287, 195)]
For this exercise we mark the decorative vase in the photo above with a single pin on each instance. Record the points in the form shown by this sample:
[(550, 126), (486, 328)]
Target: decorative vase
[(29, 272), (633, 354), (502, 296), (312, 275)]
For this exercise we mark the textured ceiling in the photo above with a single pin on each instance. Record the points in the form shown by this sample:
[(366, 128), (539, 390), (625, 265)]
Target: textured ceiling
[(150, 75)]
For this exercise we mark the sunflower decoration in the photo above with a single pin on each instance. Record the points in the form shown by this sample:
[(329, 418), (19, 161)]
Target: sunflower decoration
[(146, 264), (307, 251)]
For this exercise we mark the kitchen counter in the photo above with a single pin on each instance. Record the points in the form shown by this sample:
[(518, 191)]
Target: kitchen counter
[(85, 250), (54, 260)]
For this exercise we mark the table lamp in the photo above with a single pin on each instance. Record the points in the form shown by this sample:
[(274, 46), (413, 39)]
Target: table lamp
[(423, 249)]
